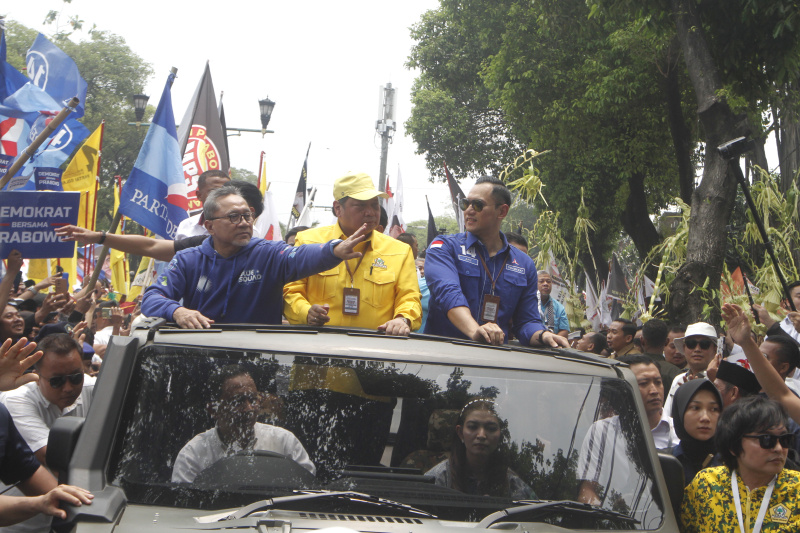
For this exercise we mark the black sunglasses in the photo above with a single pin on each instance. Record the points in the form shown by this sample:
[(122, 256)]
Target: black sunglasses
[(691, 343), (477, 205), (235, 218), (58, 381), (768, 441)]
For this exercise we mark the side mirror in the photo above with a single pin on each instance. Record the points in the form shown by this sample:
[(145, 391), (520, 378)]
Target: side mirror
[(61, 443), (673, 475)]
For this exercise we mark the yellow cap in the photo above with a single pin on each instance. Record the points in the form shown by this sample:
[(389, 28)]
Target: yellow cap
[(356, 186)]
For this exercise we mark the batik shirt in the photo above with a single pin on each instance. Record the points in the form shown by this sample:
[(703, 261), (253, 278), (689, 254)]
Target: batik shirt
[(708, 504)]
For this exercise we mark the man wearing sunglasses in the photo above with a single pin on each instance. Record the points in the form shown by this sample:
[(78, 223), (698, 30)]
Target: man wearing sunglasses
[(479, 284), (699, 346), (61, 390), (232, 277)]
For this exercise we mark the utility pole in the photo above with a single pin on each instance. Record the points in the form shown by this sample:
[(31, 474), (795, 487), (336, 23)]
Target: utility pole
[(385, 126)]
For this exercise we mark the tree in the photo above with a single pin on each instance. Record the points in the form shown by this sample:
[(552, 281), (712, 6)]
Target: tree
[(244, 175), (734, 53), (114, 73), (593, 92)]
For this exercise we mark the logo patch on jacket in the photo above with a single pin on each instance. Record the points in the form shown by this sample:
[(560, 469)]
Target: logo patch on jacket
[(514, 268), (249, 276), (378, 263), (780, 513), (467, 259)]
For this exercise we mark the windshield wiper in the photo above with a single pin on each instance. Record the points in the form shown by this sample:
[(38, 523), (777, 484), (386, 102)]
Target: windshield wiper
[(538, 506), (356, 497)]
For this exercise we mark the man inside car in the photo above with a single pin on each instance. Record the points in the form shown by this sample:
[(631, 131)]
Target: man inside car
[(235, 411)]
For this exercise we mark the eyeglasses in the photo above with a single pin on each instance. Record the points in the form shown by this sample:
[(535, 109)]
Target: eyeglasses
[(477, 205), (768, 441), (58, 381), (691, 343), (235, 218)]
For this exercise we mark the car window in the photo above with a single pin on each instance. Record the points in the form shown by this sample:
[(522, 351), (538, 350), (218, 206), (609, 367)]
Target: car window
[(380, 427)]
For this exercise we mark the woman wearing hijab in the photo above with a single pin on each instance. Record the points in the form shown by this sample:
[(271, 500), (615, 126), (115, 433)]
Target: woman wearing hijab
[(696, 409)]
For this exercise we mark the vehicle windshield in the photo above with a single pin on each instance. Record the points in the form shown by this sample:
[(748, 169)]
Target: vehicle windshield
[(209, 429)]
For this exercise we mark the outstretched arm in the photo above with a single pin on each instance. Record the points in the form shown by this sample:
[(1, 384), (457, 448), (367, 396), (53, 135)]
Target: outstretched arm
[(132, 244), (739, 328)]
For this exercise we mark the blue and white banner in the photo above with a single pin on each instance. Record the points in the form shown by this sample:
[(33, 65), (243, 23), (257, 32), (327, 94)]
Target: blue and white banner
[(155, 194), (48, 179), (50, 69), (28, 221)]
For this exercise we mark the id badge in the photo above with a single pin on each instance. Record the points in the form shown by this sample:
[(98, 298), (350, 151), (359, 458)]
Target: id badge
[(351, 301), (491, 306)]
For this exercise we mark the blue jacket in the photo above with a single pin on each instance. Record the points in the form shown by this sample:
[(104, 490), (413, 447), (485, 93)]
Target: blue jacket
[(244, 288), (559, 315), (456, 277)]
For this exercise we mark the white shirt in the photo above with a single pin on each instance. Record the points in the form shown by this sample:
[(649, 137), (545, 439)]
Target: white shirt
[(664, 433), (206, 449), (34, 415), (103, 336), (679, 380)]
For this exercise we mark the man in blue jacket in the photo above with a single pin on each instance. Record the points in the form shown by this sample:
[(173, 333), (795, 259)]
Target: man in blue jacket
[(479, 284), (232, 277)]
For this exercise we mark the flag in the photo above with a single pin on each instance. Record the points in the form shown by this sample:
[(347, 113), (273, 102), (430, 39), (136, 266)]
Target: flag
[(50, 69), (432, 231), (592, 304), (455, 194), (559, 291), (396, 224), (144, 277), (118, 260), (155, 193), (224, 125), (617, 284), (267, 224), (299, 203), (10, 78), (28, 106), (305, 216), (201, 139), (82, 172)]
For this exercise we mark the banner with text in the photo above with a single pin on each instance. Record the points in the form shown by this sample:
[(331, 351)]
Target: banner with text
[(48, 179), (28, 221)]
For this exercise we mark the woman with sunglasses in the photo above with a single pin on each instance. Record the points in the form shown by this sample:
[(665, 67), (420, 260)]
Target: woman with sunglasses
[(752, 491)]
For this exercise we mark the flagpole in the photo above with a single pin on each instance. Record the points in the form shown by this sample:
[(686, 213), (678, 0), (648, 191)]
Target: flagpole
[(114, 225), (31, 148)]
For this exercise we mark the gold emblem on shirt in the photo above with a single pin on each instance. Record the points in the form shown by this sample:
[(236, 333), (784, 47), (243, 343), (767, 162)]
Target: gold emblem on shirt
[(780, 513)]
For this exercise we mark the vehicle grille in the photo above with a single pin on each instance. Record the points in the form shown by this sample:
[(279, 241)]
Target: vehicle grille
[(360, 518)]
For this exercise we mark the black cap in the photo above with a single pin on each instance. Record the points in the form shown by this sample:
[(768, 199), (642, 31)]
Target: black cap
[(738, 376)]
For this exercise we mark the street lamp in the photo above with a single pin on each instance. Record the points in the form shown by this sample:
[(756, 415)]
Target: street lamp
[(265, 106), (139, 105)]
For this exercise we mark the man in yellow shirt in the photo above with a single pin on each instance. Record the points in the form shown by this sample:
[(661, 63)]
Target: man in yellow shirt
[(379, 291)]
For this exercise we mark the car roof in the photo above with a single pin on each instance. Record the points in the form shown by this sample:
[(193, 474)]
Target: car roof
[(355, 343)]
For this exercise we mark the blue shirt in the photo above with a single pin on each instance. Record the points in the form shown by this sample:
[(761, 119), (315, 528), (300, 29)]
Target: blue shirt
[(17, 462), (456, 278), (559, 315), (246, 287), (425, 297)]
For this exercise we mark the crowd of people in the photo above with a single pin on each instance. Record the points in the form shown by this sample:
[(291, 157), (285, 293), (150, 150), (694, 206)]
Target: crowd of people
[(724, 403)]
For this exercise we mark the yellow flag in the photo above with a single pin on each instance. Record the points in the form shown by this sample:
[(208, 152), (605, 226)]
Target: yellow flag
[(118, 260), (37, 269), (84, 168)]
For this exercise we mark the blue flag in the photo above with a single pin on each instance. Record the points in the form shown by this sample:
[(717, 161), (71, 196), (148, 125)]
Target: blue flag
[(10, 78), (155, 193), (53, 71)]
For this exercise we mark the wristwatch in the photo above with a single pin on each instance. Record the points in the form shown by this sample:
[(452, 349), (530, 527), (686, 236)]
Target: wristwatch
[(404, 319), (33, 289)]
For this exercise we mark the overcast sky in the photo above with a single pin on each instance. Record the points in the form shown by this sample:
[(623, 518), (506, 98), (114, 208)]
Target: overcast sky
[(321, 62)]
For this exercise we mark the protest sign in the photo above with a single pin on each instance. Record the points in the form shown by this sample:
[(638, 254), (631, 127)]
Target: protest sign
[(28, 221), (48, 179)]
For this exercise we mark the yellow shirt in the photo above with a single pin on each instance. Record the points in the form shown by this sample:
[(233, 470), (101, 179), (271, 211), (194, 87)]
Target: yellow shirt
[(386, 277), (708, 504)]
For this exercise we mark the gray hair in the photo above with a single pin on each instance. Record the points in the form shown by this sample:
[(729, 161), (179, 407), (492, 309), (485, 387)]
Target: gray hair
[(211, 206)]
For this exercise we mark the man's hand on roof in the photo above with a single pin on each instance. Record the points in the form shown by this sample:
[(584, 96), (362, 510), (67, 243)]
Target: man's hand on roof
[(191, 319)]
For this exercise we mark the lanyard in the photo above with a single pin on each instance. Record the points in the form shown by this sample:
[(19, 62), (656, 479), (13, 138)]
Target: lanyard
[(762, 512), (486, 268), (347, 264)]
